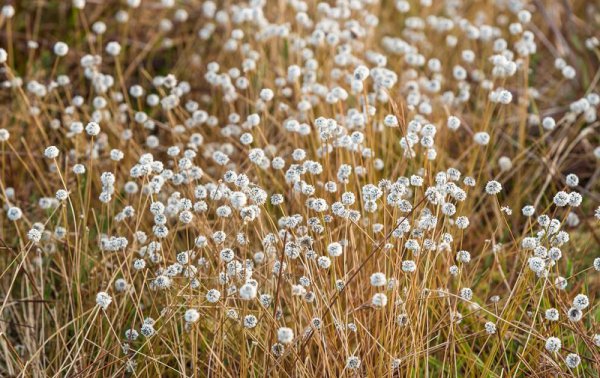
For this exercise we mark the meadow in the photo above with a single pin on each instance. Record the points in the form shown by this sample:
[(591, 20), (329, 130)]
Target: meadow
[(289, 188)]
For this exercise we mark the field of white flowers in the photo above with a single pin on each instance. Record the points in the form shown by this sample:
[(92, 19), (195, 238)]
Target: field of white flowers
[(299, 188)]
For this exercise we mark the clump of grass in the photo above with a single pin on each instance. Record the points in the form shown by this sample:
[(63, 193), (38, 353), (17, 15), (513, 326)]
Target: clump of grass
[(369, 188)]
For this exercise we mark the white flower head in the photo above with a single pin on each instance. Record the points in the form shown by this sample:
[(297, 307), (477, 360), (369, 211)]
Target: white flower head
[(103, 300), (285, 335)]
